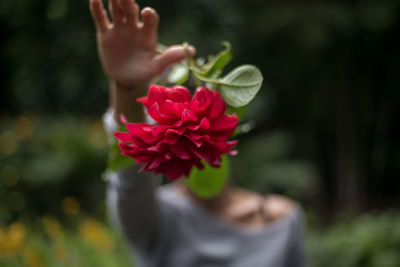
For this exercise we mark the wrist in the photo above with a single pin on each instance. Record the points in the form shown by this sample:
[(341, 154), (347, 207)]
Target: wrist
[(140, 88), (123, 101)]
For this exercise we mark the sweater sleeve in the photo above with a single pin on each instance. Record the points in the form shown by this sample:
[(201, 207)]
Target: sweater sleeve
[(296, 250), (131, 199)]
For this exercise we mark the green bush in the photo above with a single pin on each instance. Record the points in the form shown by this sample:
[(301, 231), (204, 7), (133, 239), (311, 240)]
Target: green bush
[(44, 160), (367, 241), (47, 242), (265, 164)]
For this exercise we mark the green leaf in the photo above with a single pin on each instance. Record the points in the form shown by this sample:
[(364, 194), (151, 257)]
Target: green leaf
[(240, 111), (244, 128), (116, 161), (178, 75), (241, 85), (209, 182), (218, 62)]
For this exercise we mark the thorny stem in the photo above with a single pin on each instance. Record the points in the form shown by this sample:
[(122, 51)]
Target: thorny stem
[(193, 81)]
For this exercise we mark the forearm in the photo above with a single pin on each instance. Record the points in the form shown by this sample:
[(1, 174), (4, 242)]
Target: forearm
[(131, 205), (131, 197), (123, 101)]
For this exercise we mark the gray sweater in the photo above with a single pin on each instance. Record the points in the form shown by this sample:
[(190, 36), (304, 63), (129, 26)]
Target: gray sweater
[(166, 229)]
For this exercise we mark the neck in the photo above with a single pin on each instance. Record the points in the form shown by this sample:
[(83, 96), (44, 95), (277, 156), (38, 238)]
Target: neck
[(233, 204), (215, 204)]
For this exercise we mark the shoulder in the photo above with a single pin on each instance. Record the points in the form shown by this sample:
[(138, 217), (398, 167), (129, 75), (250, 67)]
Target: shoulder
[(168, 197), (277, 206), (167, 194)]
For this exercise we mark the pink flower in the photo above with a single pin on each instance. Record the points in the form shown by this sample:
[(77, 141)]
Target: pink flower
[(190, 130)]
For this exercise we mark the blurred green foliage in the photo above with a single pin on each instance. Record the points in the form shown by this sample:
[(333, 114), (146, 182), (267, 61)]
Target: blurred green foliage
[(46, 242), (50, 58), (371, 240), (264, 165), (44, 160)]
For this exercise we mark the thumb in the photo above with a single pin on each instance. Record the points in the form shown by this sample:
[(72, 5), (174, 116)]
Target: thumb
[(173, 55)]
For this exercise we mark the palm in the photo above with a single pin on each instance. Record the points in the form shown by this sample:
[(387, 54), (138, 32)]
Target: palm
[(127, 46), (128, 54)]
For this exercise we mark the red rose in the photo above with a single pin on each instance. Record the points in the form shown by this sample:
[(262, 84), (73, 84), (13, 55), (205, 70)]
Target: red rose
[(190, 130)]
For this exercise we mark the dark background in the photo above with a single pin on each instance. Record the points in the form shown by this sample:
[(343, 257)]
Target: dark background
[(327, 119)]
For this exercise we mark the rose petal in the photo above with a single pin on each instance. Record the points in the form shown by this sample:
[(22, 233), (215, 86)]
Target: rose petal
[(224, 122), (179, 149), (123, 118), (204, 125), (217, 107), (202, 99), (123, 137), (188, 115)]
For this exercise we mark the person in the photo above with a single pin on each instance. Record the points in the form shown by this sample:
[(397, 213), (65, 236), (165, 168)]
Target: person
[(169, 225)]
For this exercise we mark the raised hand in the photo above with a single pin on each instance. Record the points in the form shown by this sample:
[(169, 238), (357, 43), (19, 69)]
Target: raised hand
[(127, 46)]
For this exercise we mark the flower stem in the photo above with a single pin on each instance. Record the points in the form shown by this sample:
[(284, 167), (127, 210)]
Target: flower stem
[(193, 80)]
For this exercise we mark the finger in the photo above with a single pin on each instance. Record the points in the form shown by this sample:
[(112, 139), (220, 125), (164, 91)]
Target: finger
[(131, 9), (116, 12), (150, 21), (173, 55), (99, 15)]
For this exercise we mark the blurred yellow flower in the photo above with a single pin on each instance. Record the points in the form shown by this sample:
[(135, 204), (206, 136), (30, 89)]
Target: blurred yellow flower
[(8, 143), (10, 175), (32, 259), (60, 251), (97, 135), (24, 128), (53, 227), (96, 235), (12, 240), (70, 206)]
